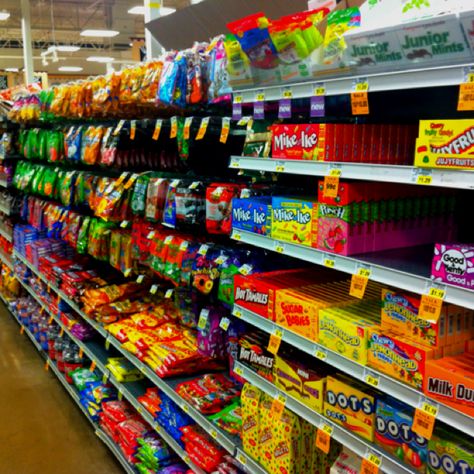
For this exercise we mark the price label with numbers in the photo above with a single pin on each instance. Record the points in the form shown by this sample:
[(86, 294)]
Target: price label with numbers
[(124, 224), (328, 262), (203, 316), (213, 434), (187, 127), (466, 97), (237, 99), (242, 459), (221, 259), (153, 289), (127, 272), (203, 249), (331, 186), (323, 437), (280, 166), (169, 293), (236, 235), (279, 247), (239, 371), (245, 269), (224, 323), (140, 278), (157, 130), (225, 129), (335, 172), (371, 379), (151, 235), (184, 245), (437, 292), (371, 464), (423, 423), (425, 179), (278, 405), (275, 341), (260, 96), (235, 163), (360, 85), (287, 93), (185, 408), (203, 128), (364, 271), (358, 286), (133, 129), (320, 353), (317, 101), (237, 313), (430, 408), (174, 127), (360, 103), (430, 308)]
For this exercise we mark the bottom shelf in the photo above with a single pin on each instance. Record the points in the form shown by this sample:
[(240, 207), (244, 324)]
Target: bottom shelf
[(73, 393)]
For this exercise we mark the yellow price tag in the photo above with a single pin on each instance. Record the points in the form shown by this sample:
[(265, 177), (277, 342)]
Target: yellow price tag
[(321, 354), (323, 438), (225, 129), (371, 464), (319, 90), (328, 262), (224, 323), (279, 248), (362, 86), (423, 423), (127, 272), (360, 103), (364, 272), (287, 94), (424, 179), (331, 186), (430, 409), (236, 235), (187, 127), (437, 292), (202, 128), (239, 371), (133, 129), (242, 459), (260, 97), (335, 172), (466, 96), (157, 130), (237, 99), (213, 434), (430, 307), (174, 127), (372, 379), (153, 289), (203, 318), (140, 278), (358, 286), (280, 168), (237, 313), (169, 293), (185, 408), (275, 341)]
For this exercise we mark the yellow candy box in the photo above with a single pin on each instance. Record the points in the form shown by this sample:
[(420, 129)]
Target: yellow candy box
[(295, 220), (351, 405)]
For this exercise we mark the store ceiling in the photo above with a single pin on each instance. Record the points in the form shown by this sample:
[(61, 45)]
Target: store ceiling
[(61, 21)]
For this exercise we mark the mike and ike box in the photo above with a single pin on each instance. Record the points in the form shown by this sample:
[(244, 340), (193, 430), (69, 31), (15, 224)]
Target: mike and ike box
[(351, 405)]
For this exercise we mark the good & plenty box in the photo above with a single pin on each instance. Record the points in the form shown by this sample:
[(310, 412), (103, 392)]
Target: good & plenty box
[(454, 263)]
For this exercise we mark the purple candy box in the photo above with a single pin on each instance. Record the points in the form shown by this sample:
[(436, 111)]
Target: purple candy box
[(454, 264)]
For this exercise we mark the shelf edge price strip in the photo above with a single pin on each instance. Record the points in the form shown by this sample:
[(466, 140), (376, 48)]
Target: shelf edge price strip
[(371, 464), (360, 98), (371, 379)]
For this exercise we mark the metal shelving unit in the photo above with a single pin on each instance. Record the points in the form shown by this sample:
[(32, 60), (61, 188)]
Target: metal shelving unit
[(386, 384), (390, 464), (402, 268), (4, 183), (435, 76), (5, 234), (228, 442), (365, 171)]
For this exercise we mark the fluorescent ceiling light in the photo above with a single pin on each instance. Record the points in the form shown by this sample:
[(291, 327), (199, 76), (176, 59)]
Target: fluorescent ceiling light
[(67, 48), (166, 11), (100, 59), (100, 33), (11, 69), (138, 10), (4, 15), (70, 69)]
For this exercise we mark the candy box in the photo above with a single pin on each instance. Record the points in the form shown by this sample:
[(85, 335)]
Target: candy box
[(298, 142), (253, 353), (451, 381), (294, 220), (445, 144), (449, 453), (400, 314), (250, 399), (399, 357), (351, 405), (454, 264), (265, 433), (393, 421), (252, 214), (299, 380)]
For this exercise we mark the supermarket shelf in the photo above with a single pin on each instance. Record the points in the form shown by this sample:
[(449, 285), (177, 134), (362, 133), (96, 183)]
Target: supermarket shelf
[(248, 464), (390, 464), (116, 450), (5, 210), (227, 441), (366, 171), (5, 234), (402, 268), (435, 76), (6, 260), (4, 183), (386, 384)]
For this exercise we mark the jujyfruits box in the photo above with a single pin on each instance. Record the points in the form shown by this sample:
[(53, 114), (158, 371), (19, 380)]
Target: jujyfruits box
[(351, 405), (445, 144), (343, 331), (451, 381), (250, 399), (400, 314), (299, 380), (449, 453), (299, 142), (398, 356), (252, 214), (393, 421), (454, 263), (294, 220)]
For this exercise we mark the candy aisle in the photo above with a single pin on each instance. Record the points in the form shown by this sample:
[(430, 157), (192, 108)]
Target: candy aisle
[(255, 255)]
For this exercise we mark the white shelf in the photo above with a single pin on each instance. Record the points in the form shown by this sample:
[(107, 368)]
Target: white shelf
[(5, 210), (390, 464), (5, 234), (4, 183), (380, 272), (388, 385), (457, 179), (436, 76)]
